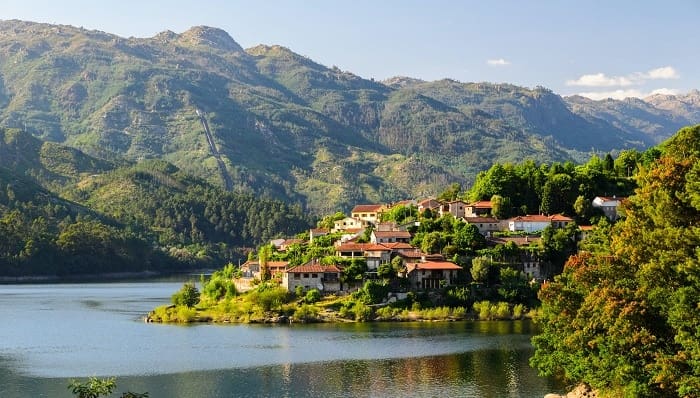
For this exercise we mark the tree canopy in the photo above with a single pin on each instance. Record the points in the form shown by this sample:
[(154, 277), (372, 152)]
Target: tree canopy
[(626, 318)]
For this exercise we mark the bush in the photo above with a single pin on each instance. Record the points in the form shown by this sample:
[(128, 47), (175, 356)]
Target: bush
[(502, 311), (518, 311), (312, 296), (187, 296), (306, 313)]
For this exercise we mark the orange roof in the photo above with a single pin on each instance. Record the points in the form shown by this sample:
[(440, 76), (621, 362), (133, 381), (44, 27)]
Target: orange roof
[(541, 218), (586, 227), (361, 247), (320, 230), (398, 245), (397, 234), (313, 267), (366, 208), (485, 204), (472, 220), (612, 198), (437, 265)]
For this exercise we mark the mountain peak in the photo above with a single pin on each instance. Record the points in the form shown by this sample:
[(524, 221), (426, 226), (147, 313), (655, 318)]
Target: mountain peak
[(211, 37), (402, 81)]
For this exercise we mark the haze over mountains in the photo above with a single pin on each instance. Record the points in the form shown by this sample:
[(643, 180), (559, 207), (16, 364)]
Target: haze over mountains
[(283, 125)]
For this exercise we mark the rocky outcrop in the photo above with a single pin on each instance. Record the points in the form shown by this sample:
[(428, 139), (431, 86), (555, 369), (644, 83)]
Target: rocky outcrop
[(581, 391)]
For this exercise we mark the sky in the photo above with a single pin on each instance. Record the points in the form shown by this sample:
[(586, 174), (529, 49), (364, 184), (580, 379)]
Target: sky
[(594, 48)]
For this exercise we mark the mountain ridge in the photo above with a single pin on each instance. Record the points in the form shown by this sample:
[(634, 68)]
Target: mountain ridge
[(288, 127)]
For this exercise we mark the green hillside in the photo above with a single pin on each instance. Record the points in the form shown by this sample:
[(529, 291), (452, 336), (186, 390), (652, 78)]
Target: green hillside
[(281, 124)]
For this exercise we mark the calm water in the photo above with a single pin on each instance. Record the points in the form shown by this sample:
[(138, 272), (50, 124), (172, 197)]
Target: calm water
[(51, 333)]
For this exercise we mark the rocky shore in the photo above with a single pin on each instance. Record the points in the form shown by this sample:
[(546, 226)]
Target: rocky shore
[(581, 391)]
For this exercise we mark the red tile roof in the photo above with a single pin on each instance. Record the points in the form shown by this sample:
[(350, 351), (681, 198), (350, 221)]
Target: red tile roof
[(320, 230), (366, 208), (360, 247), (472, 220), (541, 218), (436, 265), (398, 245), (390, 234), (313, 267), (482, 204)]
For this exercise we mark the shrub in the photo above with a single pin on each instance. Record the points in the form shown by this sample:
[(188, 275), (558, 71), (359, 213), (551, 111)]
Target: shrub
[(306, 313), (518, 311), (362, 311), (502, 311), (312, 296), (483, 308), (188, 296)]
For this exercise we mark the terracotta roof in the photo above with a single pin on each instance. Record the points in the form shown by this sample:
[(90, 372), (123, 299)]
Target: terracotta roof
[(412, 254), (320, 230), (430, 203), (435, 265), (481, 204), (313, 267), (366, 208), (361, 247), (541, 218), (398, 245), (288, 242), (586, 227), (398, 234), (472, 220)]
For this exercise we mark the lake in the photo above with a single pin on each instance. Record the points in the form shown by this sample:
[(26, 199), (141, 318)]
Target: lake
[(51, 333)]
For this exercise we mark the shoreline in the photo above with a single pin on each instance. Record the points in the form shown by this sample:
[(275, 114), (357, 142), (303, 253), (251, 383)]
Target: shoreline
[(106, 277)]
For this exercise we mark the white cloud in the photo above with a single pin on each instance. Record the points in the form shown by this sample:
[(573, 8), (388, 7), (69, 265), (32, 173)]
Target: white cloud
[(600, 80), (666, 72), (622, 94), (632, 79), (498, 62)]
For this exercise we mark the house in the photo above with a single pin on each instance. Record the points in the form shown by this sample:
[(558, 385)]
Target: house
[(584, 231), (537, 222), (288, 242), (313, 275), (432, 274), (373, 254), (367, 213), (481, 208), (317, 232), (390, 236), (486, 225), (348, 223), (608, 205), (429, 204), (455, 207), (251, 268), (528, 259)]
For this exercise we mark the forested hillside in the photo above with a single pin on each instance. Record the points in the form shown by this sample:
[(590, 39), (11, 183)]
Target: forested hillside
[(623, 316), (287, 127)]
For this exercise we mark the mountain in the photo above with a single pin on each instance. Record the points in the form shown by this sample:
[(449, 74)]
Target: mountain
[(276, 123)]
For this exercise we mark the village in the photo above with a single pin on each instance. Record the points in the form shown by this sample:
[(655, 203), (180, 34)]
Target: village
[(388, 244)]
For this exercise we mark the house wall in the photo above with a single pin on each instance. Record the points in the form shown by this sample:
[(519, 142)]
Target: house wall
[(430, 279), (307, 280), (527, 226)]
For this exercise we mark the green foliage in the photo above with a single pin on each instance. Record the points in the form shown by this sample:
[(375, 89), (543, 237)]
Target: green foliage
[(306, 313), (312, 296), (187, 296), (625, 319), (94, 388)]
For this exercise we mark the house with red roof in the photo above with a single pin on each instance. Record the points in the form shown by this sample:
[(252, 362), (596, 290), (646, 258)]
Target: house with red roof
[(537, 222), (429, 204), (374, 254), (455, 207), (390, 236), (367, 213), (486, 225), (428, 275), (251, 268), (609, 205), (313, 275), (481, 208)]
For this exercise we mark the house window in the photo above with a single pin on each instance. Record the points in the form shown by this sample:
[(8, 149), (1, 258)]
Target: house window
[(314, 275), (297, 276), (306, 275)]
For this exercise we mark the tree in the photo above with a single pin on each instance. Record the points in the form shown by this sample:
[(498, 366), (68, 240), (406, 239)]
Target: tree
[(451, 193), (188, 295), (312, 296), (625, 320), (386, 270), (482, 270), (94, 388), (501, 207)]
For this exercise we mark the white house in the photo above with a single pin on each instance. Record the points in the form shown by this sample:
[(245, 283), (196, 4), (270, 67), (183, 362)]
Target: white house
[(537, 222), (312, 275), (347, 223), (609, 205)]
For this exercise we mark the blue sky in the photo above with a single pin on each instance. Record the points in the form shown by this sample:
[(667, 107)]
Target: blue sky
[(599, 48)]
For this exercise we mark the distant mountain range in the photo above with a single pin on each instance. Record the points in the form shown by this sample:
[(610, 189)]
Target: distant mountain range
[(285, 126)]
